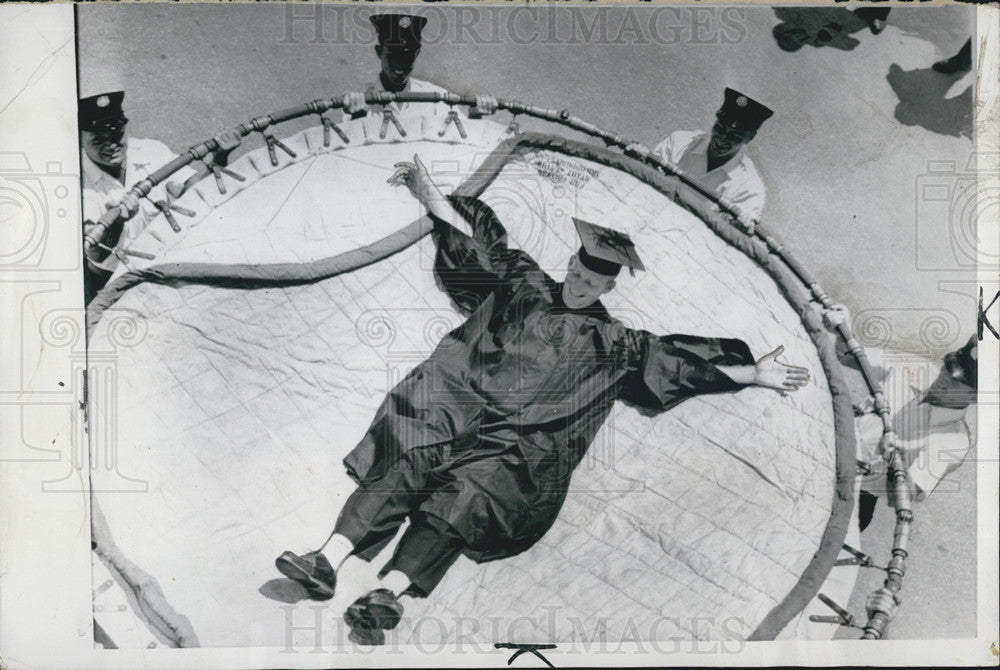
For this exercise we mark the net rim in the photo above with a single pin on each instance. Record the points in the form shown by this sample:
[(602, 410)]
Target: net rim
[(789, 283)]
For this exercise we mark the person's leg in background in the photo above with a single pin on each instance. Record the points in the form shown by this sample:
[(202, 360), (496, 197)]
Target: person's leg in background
[(866, 509), (875, 17), (93, 281), (960, 62)]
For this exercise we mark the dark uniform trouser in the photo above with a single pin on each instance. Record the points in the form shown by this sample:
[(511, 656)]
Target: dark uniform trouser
[(93, 281), (375, 511)]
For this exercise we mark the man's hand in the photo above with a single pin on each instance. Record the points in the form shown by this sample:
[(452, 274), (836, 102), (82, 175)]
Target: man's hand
[(638, 148), (486, 105), (175, 189), (771, 373), (113, 227), (747, 225), (713, 212), (227, 142), (884, 601), (354, 103), (835, 316), (415, 177)]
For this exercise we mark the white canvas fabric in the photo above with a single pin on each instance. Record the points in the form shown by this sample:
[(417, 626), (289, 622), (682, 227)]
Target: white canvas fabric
[(237, 405)]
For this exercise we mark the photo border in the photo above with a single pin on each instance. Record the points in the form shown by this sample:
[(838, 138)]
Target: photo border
[(45, 553)]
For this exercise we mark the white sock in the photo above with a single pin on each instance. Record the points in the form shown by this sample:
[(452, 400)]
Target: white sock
[(337, 550), (396, 581)]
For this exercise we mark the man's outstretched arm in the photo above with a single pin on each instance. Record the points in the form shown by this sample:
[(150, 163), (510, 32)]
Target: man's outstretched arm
[(472, 258), (666, 370), (768, 372), (469, 231), (415, 177)]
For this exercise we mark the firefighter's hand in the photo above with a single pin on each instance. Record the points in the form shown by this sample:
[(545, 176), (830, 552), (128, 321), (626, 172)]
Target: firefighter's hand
[(227, 142), (837, 315), (485, 105), (174, 190), (885, 601), (637, 148), (354, 103)]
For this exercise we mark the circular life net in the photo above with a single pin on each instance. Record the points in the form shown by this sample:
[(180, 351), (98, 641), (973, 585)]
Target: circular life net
[(252, 350)]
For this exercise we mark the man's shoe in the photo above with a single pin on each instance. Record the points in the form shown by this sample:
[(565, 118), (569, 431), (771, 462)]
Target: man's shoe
[(875, 17), (371, 615), (951, 66), (960, 62), (312, 570)]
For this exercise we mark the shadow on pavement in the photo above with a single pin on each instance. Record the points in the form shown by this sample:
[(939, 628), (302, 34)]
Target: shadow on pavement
[(823, 26), (922, 101), (284, 590)]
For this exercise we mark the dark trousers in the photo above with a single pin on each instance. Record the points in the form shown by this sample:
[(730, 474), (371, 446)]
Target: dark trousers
[(93, 281), (964, 55), (374, 512), (866, 509), (873, 13)]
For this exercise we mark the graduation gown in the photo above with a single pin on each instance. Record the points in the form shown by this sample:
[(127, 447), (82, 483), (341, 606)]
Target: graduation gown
[(515, 395)]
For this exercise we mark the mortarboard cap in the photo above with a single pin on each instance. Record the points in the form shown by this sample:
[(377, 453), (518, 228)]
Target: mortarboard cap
[(742, 110), (399, 31), (605, 251), (102, 111)]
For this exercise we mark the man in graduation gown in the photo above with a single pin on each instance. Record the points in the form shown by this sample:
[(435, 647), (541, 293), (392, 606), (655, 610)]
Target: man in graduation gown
[(477, 444)]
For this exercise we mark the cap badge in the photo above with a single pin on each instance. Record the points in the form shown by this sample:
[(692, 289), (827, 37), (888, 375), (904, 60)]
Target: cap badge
[(741, 101), (103, 101), (404, 22), (613, 240)]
